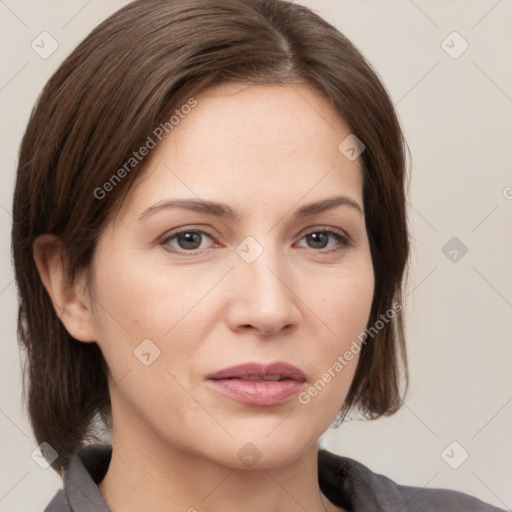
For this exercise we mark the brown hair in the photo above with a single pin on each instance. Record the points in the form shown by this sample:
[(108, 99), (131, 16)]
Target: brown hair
[(102, 103)]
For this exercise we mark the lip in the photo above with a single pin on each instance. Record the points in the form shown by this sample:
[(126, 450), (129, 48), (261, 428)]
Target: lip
[(257, 391)]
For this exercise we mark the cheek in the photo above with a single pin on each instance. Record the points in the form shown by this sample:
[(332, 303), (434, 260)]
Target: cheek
[(335, 355), (348, 298), (344, 308), (147, 299)]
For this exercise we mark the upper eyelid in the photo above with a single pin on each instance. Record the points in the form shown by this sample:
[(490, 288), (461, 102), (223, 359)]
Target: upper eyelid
[(336, 231), (186, 229), (304, 232)]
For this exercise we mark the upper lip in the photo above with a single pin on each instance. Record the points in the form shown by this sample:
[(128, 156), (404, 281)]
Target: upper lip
[(284, 370)]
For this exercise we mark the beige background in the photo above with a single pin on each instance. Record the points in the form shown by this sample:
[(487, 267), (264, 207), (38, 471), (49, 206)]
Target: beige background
[(457, 116)]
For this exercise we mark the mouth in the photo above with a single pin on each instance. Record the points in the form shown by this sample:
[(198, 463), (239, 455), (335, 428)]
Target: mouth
[(258, 384), (265, 378)]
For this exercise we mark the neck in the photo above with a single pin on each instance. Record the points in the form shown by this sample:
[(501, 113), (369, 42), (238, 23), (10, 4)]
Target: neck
[(146, 475)]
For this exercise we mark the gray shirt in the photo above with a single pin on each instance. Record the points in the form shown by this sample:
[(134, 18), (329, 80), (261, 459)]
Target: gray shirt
[(344, 481)]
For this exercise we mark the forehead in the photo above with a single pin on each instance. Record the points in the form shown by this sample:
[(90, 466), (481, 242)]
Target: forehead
[(250, 146)]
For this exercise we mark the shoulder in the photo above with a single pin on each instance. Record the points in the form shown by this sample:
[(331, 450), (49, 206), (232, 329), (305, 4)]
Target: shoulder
[(358, 488), (59, 503), (80, 493)]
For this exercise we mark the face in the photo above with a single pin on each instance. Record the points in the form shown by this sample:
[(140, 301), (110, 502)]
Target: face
[(244, 241)]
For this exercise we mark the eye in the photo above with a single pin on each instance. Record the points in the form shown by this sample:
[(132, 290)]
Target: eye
[(194, 240), (326, 239), (187, 240)]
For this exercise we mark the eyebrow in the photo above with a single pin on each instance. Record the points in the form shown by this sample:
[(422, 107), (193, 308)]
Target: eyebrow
[(225, 211)]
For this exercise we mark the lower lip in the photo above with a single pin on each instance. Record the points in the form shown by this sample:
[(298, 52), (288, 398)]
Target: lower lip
[(261, 393)]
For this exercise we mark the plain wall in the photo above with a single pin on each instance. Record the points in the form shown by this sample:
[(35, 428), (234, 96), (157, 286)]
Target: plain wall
[(457, 117)]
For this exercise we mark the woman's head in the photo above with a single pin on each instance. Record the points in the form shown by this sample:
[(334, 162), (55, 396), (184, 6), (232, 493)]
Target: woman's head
[(248, 104)]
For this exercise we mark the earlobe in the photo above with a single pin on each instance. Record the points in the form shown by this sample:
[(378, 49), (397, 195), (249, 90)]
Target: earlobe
[(70, 297)]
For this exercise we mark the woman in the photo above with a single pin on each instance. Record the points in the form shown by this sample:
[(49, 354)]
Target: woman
[(210, 242)]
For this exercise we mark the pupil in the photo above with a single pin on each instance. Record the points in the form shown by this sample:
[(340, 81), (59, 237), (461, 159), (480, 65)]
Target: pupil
[(319, 240), (189, 240)]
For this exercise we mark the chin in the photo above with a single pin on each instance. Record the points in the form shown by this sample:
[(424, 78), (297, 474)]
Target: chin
[(264, 451)]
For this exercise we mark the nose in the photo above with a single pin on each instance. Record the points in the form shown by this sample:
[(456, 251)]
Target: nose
[(264, 300)]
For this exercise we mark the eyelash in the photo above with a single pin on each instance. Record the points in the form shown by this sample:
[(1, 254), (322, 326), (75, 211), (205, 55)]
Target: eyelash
[(343, 240)]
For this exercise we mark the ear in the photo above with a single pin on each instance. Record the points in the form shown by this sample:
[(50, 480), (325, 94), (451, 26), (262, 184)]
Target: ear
[(70, 297)]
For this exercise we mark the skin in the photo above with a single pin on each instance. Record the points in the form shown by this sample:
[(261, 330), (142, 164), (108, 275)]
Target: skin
[(265, 151)]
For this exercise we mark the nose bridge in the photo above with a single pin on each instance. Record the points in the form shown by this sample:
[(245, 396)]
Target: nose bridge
[(263, 287), (265, 274)]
